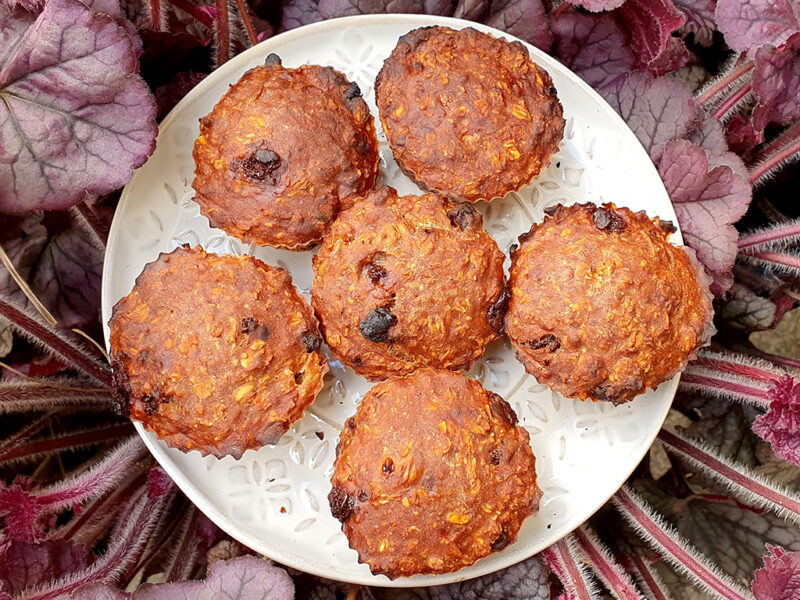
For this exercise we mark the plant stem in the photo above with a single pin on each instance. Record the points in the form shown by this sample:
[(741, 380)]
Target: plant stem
[(724, 388), (561, 560), (222, 30), (647, 578), (731, 101), (781, 231), (724, 82), (676, 549), (748, 485), (604, 566), (778, 152), (59, 444), (248, 23)]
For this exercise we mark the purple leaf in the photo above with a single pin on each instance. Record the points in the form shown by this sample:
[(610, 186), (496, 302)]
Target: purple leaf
[(168, 95), (740, 133), (527, 580), (593, 46), (243, 578), (776, 84), (748, 24), (650, 23), (710, 135), (525, 19), (675, 56), (657, 110), (780, 577), (708, 202), (598, 5), (25, 565), (699, 19), (297, 13), (64, 269), (75, 119), (780, 426), (473, 10), (330, 9), (747, 311)]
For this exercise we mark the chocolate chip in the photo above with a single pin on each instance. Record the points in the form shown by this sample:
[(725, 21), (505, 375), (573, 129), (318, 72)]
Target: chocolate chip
[(353, 91), (606, 220), (342, 503), (550, 342), (259, 164), (363, 495), (495, 455), (667, 226), (501, 542), (502, 409), (497, 311), (375, 326), (272, 60), (387, 467), (462, 216), (311, 342), (205, 122)]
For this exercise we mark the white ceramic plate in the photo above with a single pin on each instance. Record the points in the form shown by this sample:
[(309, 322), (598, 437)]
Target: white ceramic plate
[(274, 500)]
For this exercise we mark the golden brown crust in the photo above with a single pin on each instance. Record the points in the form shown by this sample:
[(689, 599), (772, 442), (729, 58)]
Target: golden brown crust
[(432, 473), (602, 305), (407, 282), (283, 152), (215, 353), (467, 114)]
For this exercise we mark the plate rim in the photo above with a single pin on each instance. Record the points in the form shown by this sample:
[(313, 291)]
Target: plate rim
[(238, 64)]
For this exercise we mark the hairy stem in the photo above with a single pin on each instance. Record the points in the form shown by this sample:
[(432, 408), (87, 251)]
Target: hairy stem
[(737, 364), (731, 101), (248, 23), (722, 388), (645, 575), (779, 258), (193, 11), (604, 566), (676, 549), (783, 361), (222, 32), (782, 151), (740, 480), (46, 394), (56, 342), (779, 234), (72, 441), (83, 216), (717, 86), (561, 559)]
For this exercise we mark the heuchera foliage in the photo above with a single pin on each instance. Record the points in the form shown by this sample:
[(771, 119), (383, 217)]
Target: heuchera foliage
[(710, 88)]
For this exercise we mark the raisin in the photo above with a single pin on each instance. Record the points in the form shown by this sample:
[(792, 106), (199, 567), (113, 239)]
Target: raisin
[(609, 221), (501, 542), (248, 325), (259, 164), (358, 361), (320, 435), (263, 332), (150, 403), (363, 495), (502, 409), (361, 144), (497, 311), (143, 356), (550, 342), (604, 393), (351, 423), (495, 455), (375, 327), (311, 342), (551, 90), (272, 60), (462, 216), (429, 483), (205, 122), (551, 211), (667, 226), (375, 273), (387, 467), (353, 91), (299, 377), (342, 503)]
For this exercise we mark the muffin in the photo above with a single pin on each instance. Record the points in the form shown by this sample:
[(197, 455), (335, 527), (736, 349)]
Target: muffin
[(467, 114), (408, 282), (431, 474), (282, 153), (602, 305), (214, 353)]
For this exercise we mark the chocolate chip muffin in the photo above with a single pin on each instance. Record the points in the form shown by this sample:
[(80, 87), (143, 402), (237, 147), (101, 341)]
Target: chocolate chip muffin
[(467, 114), (431, 474), (406, 282), (602, 305), (215, 353), (282, 153)]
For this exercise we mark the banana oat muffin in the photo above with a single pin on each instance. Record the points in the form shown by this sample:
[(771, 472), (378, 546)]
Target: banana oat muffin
[(467, 114), (602, 305), (215, 353), (431, 474), (283, 152), (408, 282)]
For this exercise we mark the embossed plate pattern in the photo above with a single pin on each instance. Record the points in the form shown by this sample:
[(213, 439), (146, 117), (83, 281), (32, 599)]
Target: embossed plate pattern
[(274, 499)]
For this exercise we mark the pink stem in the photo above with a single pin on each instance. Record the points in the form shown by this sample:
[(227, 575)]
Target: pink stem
[(778, 257), (560, 561), (780, 360), (770, 162), (193, 11), (765, 495), (223, 32), (248, 24), (87, 438), (610, 573), (42, 395), (735, 365), (771, 235), (731, 100), (633, 563), (714, 386), (86, 219), (58, 345), (724, 82), (674, 548), (16, 439)]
